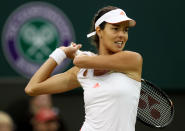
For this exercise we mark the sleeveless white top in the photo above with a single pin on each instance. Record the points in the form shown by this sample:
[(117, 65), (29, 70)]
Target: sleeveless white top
[(111, 101)]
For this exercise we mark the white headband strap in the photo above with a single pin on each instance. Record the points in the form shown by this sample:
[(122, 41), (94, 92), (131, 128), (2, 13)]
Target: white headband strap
[(91, 34)]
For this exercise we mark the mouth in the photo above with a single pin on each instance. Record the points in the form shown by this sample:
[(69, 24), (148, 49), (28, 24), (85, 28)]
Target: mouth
[(119, 43)]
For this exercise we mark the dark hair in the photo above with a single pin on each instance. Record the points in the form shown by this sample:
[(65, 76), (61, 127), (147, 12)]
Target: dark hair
[(102, 11)]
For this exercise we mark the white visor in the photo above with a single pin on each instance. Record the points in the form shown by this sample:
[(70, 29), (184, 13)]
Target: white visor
[(112, 17)]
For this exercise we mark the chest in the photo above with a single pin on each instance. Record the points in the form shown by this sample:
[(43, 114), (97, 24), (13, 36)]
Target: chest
[(112, 86)]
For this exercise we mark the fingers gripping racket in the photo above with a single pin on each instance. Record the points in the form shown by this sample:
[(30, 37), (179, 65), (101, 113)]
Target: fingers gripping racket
[(155, 108)]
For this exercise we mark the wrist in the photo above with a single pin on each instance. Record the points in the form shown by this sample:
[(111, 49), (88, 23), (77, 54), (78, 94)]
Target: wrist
[(58, 55)]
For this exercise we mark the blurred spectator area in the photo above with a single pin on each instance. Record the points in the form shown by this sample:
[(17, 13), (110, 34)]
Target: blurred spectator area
[(14, 100)]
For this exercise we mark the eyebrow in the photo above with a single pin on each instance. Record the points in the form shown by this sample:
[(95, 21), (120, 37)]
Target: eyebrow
[(118, 25)]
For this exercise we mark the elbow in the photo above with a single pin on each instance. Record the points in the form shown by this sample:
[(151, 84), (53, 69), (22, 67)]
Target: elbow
[(29, 91), (139, 58)]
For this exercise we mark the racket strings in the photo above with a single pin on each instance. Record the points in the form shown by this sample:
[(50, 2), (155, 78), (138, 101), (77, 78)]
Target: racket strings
[(154, 107)]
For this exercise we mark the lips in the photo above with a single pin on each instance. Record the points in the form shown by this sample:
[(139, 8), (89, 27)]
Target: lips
[(119, 44)]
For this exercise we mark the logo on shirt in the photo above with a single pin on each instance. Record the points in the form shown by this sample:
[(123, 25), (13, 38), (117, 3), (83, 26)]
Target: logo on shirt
[(96, 85), (122, 13)]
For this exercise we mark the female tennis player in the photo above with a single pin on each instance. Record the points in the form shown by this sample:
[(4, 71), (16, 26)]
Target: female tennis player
[(111, 79)]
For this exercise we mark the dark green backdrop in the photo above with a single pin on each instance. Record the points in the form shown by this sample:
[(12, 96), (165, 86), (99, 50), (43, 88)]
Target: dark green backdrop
[(158, 35)]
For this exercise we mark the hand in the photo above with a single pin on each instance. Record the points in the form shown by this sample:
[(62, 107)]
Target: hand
[(70, 51)]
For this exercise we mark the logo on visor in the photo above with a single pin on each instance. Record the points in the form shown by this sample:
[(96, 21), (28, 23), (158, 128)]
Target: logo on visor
[(122, 13), (31, 33)]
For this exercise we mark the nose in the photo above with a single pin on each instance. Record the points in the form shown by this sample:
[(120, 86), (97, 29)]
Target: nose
[(123, 34)]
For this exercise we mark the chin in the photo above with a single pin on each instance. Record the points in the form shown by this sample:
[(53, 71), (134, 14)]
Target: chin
[(117, 50), (120, 50)]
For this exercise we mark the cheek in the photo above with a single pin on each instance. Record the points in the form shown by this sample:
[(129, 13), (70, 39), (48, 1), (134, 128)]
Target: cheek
[(126, 37), (109, 37), (108, 41)]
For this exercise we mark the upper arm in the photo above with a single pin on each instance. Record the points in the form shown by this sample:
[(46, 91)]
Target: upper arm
[(124, 61), (56, 84)]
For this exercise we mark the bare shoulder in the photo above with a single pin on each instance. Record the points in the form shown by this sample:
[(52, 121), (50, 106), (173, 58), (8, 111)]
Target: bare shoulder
[(130, 55), (135, 61)]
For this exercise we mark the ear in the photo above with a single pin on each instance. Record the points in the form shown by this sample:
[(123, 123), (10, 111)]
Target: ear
[(98, 31)]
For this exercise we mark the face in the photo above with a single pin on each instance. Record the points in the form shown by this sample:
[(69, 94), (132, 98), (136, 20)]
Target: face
[(41, 101), (113, 37), (5, 127)]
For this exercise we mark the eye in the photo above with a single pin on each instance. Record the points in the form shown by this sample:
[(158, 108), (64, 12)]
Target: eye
[(126, 29), (115, 28)]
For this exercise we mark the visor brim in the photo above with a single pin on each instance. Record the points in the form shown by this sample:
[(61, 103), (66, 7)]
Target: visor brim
[(115, 20)]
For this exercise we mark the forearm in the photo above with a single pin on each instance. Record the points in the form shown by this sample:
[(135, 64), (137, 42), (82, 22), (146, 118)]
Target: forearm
[(44, 72), (56, 84), (94, 62), (43, 83), (124, 61)]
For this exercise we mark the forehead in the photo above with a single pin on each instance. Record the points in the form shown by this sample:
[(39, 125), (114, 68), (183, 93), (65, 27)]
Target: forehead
[(121, 24)]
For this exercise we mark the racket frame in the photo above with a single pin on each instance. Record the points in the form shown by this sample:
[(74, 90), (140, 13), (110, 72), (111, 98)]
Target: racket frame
[(167, 97)]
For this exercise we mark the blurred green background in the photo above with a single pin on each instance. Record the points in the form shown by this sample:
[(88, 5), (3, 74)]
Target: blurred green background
[(158, 35)]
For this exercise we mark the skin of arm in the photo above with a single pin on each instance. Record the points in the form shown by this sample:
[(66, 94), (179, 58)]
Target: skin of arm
[(127, 62), (43, 83)]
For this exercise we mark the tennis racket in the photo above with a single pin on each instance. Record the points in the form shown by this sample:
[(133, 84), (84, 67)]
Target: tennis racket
[(155, 109)]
